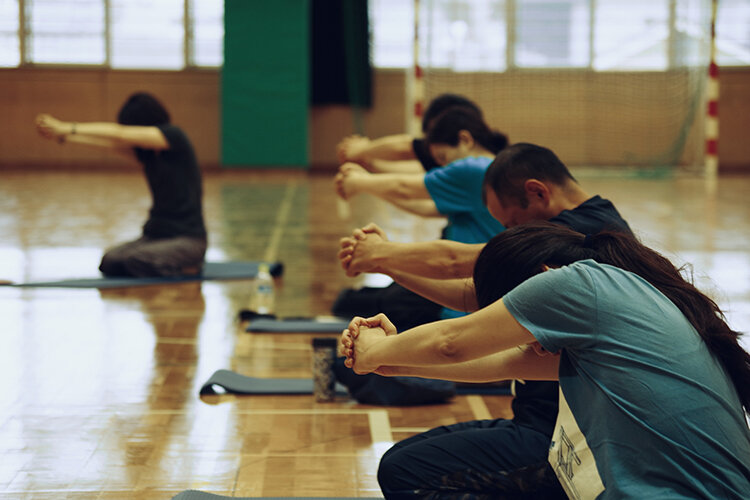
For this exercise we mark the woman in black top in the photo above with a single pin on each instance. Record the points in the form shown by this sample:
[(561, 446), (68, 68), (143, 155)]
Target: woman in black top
[(174, 236)]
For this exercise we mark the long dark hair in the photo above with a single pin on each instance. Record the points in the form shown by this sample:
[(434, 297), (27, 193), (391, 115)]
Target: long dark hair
[(142, 108), (443, 102), (445, 128), (519, 253)]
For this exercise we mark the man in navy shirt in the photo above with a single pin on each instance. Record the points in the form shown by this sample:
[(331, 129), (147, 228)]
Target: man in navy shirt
[(524, 183)]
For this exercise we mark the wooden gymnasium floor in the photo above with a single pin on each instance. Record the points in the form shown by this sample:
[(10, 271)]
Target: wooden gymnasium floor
[(100, 388)]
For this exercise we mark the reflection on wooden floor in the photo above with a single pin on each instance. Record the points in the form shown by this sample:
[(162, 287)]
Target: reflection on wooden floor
[(100, 396)]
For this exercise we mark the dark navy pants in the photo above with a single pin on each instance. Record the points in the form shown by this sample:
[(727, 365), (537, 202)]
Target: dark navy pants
[(481, 459)]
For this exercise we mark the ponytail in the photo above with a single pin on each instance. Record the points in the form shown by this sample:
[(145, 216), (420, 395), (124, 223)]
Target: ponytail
[(445, 127), (519, 253)]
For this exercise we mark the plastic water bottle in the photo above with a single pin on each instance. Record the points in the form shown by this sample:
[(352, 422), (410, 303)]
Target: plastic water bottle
[(262, 299)]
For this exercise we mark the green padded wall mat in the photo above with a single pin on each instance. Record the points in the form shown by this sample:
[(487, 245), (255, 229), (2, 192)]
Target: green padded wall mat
[(265, 83)]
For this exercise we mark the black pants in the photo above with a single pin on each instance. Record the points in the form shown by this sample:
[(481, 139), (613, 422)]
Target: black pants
[(147, 257), (481, 459)]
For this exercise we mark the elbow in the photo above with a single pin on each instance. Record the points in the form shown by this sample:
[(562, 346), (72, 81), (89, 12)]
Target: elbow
[(448, 349), (452, 265), (403, 191)]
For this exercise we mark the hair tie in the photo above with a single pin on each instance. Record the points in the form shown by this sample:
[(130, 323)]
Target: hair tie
[(588, 241)]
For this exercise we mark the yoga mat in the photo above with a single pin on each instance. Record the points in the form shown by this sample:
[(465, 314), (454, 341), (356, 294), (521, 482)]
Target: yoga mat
[(297, 325), (211, 271), (200, 495), (235, 383)]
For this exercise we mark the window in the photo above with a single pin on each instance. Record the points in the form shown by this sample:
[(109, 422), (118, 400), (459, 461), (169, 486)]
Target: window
[(207, 20), (127, 34), (464, 35), (552, 33), (733, 33), (603, 35), (69, 32), (10, 48), (392, 27), (147, 34), (631, 35)]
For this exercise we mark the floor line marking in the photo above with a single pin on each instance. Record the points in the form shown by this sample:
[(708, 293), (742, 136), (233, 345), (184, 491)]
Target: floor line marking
[(281, 219), (476, 403)]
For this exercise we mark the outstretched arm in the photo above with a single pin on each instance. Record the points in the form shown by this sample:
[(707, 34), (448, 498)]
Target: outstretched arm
[(352, 180), (445, 348), (457, 294), (439, 259), (101, 134), (365, 151), (519, 362)]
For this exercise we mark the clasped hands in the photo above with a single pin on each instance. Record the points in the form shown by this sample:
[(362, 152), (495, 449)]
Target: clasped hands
[(356, 253), (346, 180), (358, 339), (50, 127)]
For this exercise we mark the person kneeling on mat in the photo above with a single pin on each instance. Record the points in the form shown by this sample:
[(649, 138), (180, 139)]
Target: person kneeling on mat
[(654, 384), (174, 236)]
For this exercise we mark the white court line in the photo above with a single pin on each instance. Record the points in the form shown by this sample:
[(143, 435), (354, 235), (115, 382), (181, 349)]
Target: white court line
[(281, 217), (380, 426), (476, 403)]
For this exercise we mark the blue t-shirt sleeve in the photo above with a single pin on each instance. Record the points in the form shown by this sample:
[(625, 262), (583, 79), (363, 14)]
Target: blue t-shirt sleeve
[(457, 187), (558, 307)]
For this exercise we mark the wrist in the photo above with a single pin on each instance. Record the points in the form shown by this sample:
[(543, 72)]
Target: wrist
[(73, 126)]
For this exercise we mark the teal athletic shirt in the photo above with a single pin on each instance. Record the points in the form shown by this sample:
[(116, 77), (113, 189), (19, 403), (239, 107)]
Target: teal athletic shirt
[(456, 190), (646, 411)]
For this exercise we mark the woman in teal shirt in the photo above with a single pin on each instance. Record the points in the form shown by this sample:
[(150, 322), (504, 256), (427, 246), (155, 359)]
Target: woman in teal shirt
[(653, 382)]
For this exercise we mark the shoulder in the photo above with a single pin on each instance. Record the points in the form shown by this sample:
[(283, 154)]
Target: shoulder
[(175, 136), (592, 216), (463, 168), (471, 163)]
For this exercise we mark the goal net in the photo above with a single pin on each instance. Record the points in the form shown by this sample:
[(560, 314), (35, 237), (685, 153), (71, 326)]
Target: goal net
[(603, 83)]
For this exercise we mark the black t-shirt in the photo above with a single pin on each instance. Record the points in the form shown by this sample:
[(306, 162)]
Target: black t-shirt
[(422, 152), (536, 403), (174, 179)]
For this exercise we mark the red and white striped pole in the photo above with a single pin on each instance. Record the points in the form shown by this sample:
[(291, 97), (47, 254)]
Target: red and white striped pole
[(417, 83), (712, 110)]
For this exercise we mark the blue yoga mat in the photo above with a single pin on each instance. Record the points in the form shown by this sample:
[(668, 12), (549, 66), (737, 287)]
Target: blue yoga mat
[(297, 325), (200, 495), (235, 383), (211, 271)]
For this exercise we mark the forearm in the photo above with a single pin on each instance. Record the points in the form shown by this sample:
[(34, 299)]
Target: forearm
[(395, 167), (118, 136), (391, 147), (457, 294), (518, 362), (487, 331), (100, 142), (391, 187), (423, 208), (439, 259)]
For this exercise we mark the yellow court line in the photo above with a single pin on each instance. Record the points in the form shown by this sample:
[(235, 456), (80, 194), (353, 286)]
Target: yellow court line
[(380, 426), (281, 218), (476, 403)]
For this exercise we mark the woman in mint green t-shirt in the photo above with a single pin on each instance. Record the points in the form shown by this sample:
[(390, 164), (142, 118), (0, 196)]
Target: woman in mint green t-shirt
[(653, 382)]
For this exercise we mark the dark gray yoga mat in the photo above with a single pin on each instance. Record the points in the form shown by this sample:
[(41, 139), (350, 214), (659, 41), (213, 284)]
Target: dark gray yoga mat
[(296, 325), (200, 495), (211, 271), (235, 383)]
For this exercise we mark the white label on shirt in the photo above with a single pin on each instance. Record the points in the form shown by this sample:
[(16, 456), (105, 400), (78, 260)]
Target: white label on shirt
[(571, 457)]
